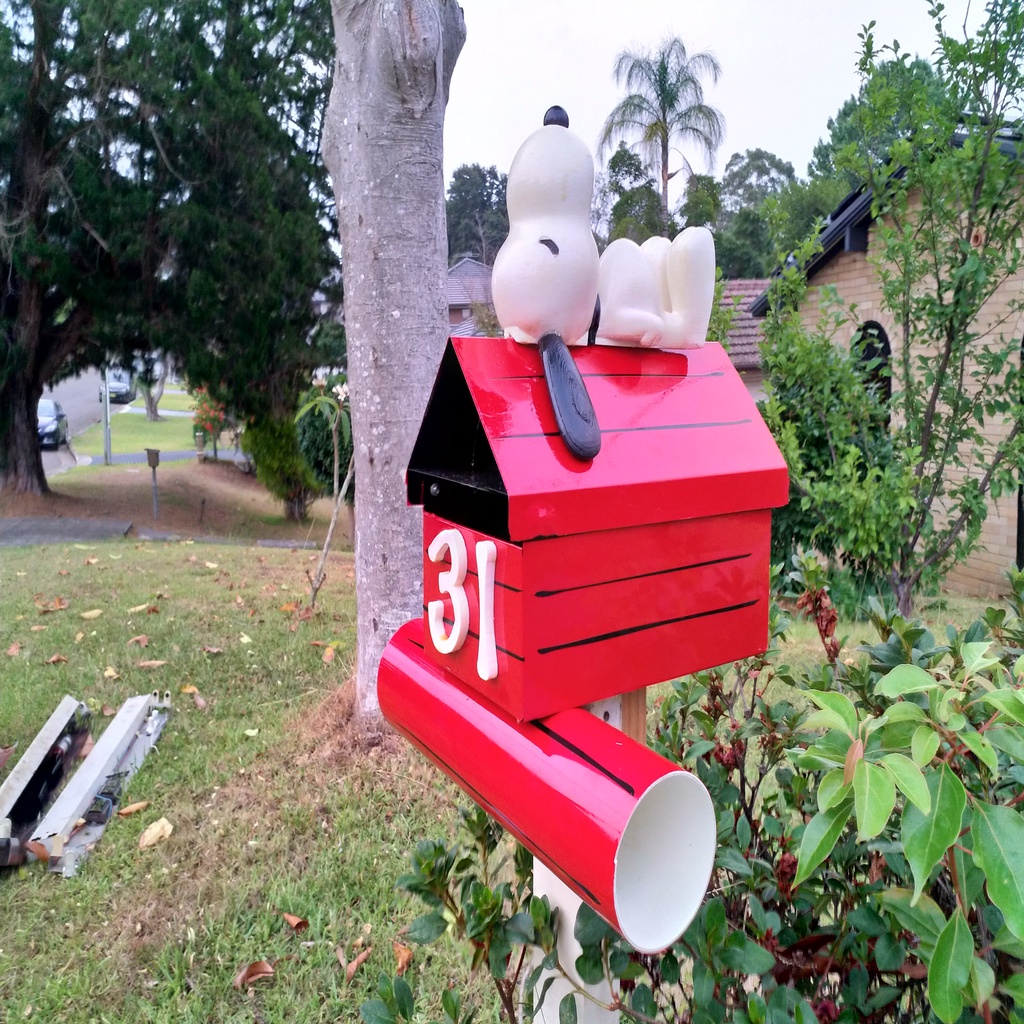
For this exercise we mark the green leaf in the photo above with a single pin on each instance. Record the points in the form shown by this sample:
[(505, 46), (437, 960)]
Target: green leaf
[(983, 981), (820, 837), (926, 837), (950, 969), (981, 748), (905, 679), (921, 916), (909, 778), (923, 745), (832, 790), (427, 928), (403, 998), (975, 657), (567, 1009), (874, 795), (998, 834), (590, 927), (1013, 986), (1008, 702), (373, 1011), (901, 711), (838, 705), (1007, 942)]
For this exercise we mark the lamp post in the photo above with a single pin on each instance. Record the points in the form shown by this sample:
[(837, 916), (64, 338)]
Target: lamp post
[(153, 457)]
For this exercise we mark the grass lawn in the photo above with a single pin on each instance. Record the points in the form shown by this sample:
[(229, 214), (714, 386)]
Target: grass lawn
[(130, 432), (279, 805), (172, 400)]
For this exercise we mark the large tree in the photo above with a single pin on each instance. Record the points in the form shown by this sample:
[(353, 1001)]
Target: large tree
[(158, 193), (383, 146), (476, 214), (665, 105), (635, 206)]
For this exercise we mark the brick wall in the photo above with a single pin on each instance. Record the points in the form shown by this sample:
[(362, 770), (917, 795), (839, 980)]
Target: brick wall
[(854, 277)]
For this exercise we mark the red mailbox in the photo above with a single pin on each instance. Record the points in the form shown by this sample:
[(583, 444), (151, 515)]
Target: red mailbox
[(550, 583)]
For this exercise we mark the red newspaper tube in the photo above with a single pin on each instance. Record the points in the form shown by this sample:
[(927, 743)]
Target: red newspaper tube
[(632, 834)]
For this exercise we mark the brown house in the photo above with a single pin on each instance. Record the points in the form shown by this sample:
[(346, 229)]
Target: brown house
[(744, 340), (469, 292), (848, 243)]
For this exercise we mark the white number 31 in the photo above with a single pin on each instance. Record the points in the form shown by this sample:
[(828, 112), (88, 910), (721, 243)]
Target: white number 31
[(450, 581)]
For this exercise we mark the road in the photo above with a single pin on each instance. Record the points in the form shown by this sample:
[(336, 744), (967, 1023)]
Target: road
[(80, 398)]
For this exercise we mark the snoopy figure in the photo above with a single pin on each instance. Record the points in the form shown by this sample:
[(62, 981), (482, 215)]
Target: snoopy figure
[(659, 294), (545, 277)]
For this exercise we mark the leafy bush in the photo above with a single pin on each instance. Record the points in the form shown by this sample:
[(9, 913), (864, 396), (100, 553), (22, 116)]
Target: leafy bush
[(209, 416), (273, 447), (315, 440), (869, 864)]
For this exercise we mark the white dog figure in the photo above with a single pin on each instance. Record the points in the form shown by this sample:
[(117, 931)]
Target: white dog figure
[(659, 294), (544, 280)]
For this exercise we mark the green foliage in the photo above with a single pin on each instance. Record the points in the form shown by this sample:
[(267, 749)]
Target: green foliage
[(273, 446), (636, 206), (209, 417), (476, 213), (165, 193), (751, 177), (703, 201), (324, 425), (665, 105), (949, 203)]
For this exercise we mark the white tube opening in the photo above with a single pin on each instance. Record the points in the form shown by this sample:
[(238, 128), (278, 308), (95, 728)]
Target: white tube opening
[(664, 861)]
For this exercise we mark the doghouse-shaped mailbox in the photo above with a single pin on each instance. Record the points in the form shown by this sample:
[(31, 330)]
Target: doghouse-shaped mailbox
[(551, 583), (602, 577)]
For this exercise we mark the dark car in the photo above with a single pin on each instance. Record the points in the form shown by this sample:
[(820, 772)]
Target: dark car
[(53, 423), (122, 385)]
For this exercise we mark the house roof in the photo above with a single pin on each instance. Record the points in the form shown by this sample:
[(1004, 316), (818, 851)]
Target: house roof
[(469, 283), (846, 228), (745, 333), (681, 439)]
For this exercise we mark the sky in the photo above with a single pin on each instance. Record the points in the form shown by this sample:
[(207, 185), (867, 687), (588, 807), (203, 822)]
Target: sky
[(787, 67)]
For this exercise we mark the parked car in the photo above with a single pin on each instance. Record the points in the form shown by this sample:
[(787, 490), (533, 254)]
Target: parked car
[(122, 385), (53, 423)]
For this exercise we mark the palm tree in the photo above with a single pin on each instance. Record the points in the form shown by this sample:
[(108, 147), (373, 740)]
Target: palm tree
[(665, 103)]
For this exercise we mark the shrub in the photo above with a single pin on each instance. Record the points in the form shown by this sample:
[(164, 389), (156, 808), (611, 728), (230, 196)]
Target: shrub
[(315, 441), (209, 416), (273, 447)]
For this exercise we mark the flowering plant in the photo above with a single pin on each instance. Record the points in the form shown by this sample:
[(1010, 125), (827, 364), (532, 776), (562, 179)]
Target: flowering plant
[(209, 416)]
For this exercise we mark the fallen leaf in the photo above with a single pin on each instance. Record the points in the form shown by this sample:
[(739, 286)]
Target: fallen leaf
[(192, 558), (142, 640), (239, 601), (56, 659), (190, 689), (290, 606), (252, 732), (116, 558), (94, 613), (138, 608), (37, 850), (63, 572), (350, 971), (14, 650), (207, 649), (107, 711), (79, 637), (91, 561), (151, 664), (339, 952), (297, 924), (318, 643), (87, 746), (211, 565), (243, 639), (58, 604), (125, 812), (154, 833), (306, 614), (5, 753), (152, 610), (255, 971), (403, 957), (38, 629), (328, 656), (199, 702), (110, 673)]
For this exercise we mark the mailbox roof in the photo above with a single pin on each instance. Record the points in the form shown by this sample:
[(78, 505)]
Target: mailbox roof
[(681, 438)]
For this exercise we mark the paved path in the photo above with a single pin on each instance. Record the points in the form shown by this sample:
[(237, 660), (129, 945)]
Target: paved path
[(26, 531)]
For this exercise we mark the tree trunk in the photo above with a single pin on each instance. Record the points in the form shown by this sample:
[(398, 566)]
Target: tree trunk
[(152, 394), (383, 148), (21, 463)]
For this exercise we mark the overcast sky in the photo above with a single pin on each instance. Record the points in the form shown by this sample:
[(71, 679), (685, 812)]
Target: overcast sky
[(787, 66)]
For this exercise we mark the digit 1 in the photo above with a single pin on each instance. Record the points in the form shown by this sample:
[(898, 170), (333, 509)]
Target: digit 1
[(449, 582), (486, 654)]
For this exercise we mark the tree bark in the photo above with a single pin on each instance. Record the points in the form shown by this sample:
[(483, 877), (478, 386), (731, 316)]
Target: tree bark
[(383, 148)]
